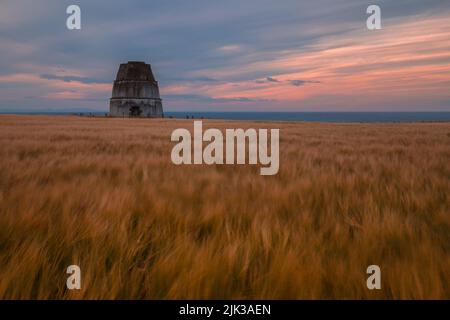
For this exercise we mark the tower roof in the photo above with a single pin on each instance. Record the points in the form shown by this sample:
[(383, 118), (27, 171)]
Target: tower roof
[(135, 70)]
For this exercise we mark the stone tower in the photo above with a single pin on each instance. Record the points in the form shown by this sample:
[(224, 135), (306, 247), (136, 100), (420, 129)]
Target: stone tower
[(135, 92)]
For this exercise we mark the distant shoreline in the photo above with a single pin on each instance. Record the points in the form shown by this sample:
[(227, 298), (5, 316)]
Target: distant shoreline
[(330, 117)]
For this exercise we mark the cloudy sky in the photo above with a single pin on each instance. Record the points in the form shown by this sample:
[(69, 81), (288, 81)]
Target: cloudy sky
[(218, 55)]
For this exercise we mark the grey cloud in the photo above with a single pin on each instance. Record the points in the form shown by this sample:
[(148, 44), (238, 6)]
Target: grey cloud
[(299, 83), (267, 79), (168, 80), (85, 80), (200, 98)]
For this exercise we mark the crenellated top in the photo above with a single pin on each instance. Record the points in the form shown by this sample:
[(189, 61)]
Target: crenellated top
[(135, 80), (135, 70)]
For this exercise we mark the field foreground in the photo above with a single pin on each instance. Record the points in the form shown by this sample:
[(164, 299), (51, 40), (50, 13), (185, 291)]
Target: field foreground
[(103, 194)]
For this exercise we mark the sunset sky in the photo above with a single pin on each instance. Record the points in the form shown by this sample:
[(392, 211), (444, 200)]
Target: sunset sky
[(243, 55)]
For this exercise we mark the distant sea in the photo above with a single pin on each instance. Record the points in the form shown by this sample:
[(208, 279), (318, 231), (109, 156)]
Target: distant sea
[(291, 116), (319, 116)]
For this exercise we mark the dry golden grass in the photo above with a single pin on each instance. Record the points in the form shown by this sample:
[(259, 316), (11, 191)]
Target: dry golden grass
[(103, 194)]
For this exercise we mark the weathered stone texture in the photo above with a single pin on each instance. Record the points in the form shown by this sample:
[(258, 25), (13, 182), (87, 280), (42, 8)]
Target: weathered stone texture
[(135, 92)]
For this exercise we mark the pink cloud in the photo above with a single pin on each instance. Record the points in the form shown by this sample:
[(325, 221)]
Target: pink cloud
[(405, 60), (57, 89)]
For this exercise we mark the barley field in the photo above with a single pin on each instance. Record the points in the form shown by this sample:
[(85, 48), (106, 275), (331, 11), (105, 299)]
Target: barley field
[(103, 194)]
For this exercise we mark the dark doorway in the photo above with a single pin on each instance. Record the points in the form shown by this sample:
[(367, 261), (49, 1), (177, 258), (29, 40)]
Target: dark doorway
[(135, 111)]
